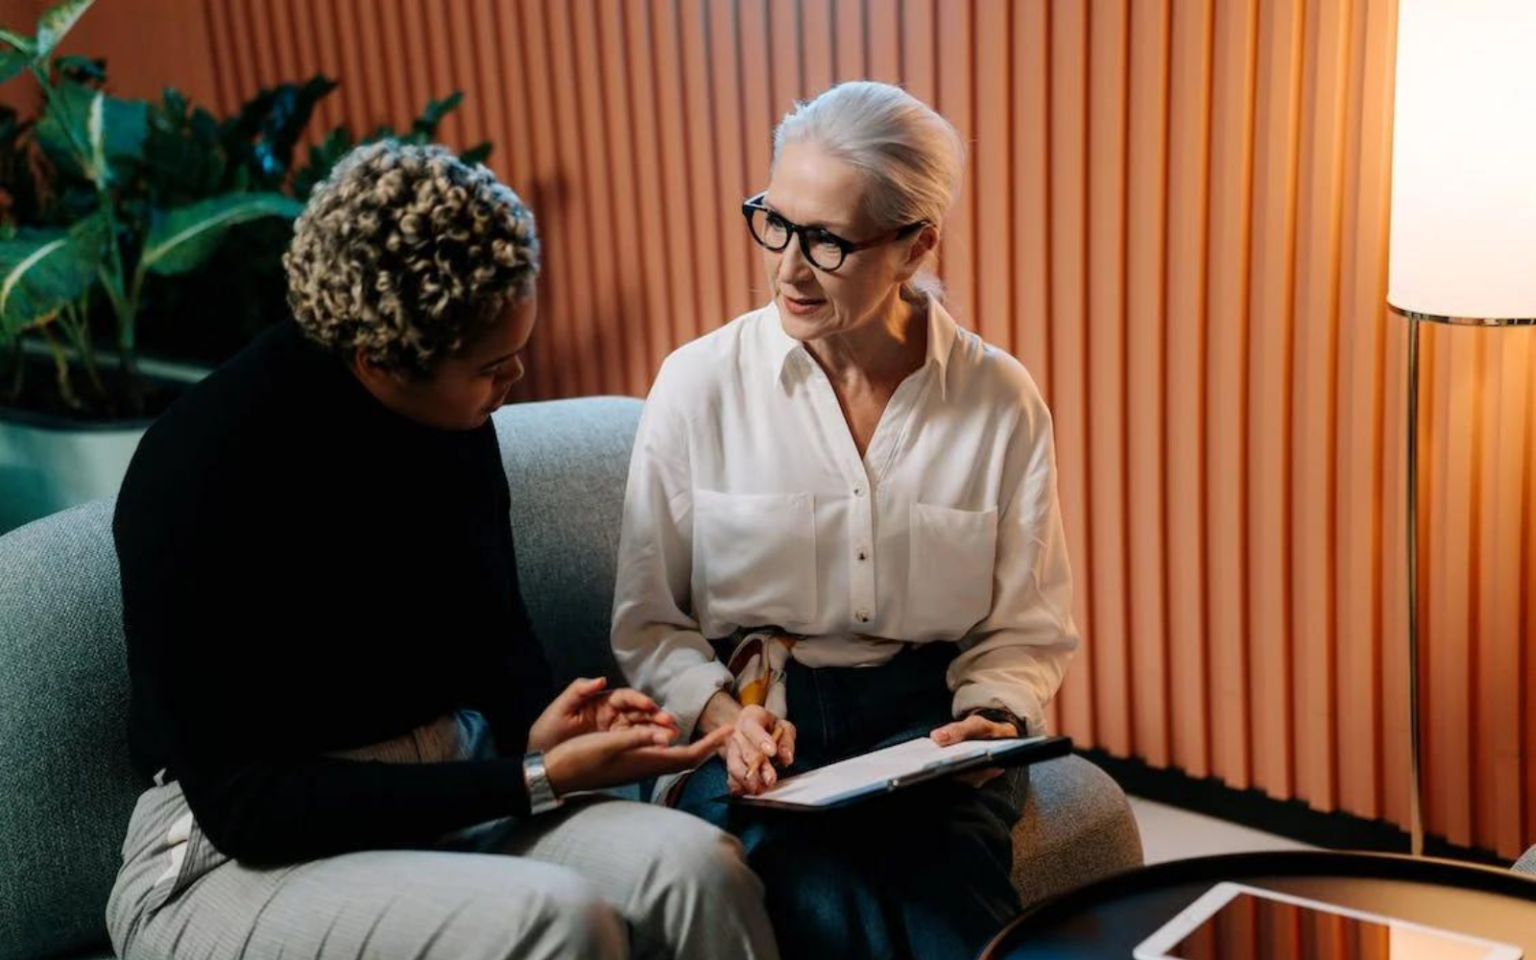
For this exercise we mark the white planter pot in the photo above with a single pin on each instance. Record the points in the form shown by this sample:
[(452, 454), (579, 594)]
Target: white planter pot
[(48, 464), (46, 467)]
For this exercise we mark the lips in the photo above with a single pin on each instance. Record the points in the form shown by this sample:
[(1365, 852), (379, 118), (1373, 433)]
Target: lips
[(802, 305)]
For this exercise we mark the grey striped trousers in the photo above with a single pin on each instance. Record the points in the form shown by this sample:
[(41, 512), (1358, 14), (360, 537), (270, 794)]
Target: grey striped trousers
[(598, 878)]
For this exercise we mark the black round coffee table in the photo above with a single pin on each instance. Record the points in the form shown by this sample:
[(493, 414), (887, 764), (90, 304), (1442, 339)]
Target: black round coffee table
[(1110, 917)]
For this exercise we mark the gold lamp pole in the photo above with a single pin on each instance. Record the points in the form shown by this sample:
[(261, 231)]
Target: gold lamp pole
[(1463, 236)]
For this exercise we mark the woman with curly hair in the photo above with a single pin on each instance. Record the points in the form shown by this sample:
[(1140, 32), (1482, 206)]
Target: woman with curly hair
[(341, 714)]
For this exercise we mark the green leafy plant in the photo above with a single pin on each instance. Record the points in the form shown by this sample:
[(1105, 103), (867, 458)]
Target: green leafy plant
[(114, 240), (114, 216)]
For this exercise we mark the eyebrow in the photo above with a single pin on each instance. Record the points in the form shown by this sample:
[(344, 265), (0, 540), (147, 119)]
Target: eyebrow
[(816, 224), (501, 359)]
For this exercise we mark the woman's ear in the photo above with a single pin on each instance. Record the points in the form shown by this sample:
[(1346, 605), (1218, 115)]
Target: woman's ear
[(369, 371), (927, 238)]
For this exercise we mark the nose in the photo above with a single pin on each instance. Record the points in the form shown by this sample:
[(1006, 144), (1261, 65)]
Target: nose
[(792, 263)]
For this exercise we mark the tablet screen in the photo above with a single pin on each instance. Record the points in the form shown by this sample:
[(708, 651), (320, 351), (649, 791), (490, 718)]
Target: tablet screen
[(1257, 928)]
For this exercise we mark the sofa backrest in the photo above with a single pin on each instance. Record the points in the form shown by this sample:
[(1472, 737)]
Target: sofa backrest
[(66, 786)]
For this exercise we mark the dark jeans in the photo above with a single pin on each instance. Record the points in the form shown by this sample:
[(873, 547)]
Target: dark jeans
[(921, 873)]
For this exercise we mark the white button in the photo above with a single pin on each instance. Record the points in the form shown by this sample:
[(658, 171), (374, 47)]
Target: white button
[(862, 616), (858, 491)]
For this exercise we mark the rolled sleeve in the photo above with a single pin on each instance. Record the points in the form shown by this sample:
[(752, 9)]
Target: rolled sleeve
[(1016, 657)]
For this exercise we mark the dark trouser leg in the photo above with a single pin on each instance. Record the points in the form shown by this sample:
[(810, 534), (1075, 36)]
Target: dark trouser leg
[(923, 873)]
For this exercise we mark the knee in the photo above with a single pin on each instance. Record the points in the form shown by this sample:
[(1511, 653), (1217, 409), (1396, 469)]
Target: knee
[(562, 918), (705, 861)]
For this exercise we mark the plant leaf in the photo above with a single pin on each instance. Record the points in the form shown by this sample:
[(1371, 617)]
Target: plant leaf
[(477, 153), (44, 271), (83, 129), (52, 25), (12, 62), (424, 128), (184, 238), (83, 69)]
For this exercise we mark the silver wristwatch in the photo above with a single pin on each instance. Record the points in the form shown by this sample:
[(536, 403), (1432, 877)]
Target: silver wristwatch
[(541, 795)]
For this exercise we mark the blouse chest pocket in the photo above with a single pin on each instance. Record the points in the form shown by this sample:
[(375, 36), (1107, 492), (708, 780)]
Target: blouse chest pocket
[(754, 558), (949, 574)]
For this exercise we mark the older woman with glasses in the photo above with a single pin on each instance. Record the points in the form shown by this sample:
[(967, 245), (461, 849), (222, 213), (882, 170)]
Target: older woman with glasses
[(841, 532)]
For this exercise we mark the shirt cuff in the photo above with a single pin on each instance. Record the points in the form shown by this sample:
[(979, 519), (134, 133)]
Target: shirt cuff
[(1017, 702), (691, 691)]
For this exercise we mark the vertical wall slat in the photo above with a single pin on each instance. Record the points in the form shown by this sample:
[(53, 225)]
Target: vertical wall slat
[(884, 41), (1314, 391), (1031, 212), (650, 188), (816, 39), (1506, 365), (547, 191), (957, 254), (402, 103), (419, 84), (675, 173), (1361, 380), (374, 77), (1231, 165), (353, 95), (1454, 437), (919, 29), (1269, 378), (1069, 317), (1184, 370), (461, 30), (732, 182), (601, 254), (583, 352), (631, 305), (1109, 53), (850, 36), (993, 186), (702, 168), (759, 117), (226, 84), (784, 40), (1146, 215)]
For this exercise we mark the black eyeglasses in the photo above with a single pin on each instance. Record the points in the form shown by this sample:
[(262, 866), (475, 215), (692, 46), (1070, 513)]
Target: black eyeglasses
[(824, 249)]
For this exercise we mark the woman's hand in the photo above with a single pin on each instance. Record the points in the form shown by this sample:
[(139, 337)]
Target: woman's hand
[(758, 740), (586, 706), (973, 727), (592, 761)]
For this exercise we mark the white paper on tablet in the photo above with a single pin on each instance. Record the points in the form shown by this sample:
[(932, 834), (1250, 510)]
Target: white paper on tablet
[(884, 769)]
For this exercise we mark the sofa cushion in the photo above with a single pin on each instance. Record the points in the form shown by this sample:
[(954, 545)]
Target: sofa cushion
[(567, 462), (68, 786)]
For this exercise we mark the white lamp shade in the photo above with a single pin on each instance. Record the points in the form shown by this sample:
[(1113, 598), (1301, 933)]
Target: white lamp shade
[(1464, 160)]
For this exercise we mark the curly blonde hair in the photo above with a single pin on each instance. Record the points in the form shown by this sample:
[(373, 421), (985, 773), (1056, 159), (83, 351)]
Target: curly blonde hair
[(406, 252)]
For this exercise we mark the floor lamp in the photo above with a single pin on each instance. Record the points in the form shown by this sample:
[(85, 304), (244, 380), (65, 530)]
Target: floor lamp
[(1463, 235)]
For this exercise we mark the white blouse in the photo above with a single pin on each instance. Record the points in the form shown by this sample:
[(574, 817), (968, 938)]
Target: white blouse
[(748, 505)]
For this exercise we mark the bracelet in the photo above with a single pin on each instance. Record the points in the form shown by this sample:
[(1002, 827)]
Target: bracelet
[(541, 793), (999, 715)]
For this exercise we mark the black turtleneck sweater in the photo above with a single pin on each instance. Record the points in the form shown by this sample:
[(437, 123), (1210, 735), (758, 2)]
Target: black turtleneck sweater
[(305, 571)]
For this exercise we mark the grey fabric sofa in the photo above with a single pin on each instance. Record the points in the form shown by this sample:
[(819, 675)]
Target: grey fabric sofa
[(66, 788)]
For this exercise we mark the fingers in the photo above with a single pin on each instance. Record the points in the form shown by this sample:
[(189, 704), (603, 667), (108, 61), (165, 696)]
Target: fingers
[(735, 764), (973, 727), (578, 691), (756, 725), (787, 743), (980, 778), (629, 700), (752, 757)]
